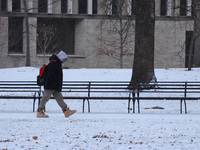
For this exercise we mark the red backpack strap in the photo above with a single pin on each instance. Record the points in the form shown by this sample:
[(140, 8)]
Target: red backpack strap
[(42, 70), (52, 60)]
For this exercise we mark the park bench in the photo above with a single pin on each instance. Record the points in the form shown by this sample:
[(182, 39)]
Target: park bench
[(19, 90), (104, 90), (95, 90), (182, 91), (72, 90)]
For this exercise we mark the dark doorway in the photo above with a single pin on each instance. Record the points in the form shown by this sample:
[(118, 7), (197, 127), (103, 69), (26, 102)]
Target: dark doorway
[(187, 48)]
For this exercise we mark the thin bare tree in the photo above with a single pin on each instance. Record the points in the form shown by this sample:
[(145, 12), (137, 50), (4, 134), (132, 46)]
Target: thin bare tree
[(47, 34), (118, 12)]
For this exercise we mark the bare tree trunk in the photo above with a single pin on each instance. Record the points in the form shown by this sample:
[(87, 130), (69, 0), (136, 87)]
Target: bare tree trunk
[(143, 67), (28, 63)]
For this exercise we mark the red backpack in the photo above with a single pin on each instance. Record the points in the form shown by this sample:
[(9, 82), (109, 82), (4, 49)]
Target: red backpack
[(42, 74)]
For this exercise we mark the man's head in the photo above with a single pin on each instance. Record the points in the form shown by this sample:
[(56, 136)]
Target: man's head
[(62, 56)]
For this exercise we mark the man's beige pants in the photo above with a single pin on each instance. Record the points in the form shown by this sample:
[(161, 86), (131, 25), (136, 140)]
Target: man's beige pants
[(57, 95)]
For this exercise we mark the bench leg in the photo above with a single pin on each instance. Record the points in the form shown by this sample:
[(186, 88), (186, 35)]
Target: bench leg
[(138, 105), (88, 105), (185, 107), (83, 105), (34, 104), (181, 106), (129, 105), (133, 105)]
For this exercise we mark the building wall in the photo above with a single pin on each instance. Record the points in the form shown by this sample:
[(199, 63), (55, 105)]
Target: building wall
[(169, 46), (169, 42)]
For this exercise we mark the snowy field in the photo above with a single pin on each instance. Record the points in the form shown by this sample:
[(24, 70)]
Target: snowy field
[(108, 126)]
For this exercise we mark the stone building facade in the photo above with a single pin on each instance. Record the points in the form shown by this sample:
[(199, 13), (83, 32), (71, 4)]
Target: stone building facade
[(84, 41)]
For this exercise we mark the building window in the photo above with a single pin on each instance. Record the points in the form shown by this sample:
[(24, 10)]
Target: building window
[(183, 7), (64, 5), (16, 5), (54, 35), (133, 7), (42, 6), (15, 35), (163, 8), (82, 6), (94, 7), (3, 5), (115, 8)]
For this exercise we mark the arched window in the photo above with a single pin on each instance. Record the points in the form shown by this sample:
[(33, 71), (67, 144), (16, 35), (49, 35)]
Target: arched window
[(183, 7), (115, 10), (94, 7), (3, 5), (16, 5), (163, 8), (64, 4), (42, 6), (15, 35), (82, 6), (133, 6)]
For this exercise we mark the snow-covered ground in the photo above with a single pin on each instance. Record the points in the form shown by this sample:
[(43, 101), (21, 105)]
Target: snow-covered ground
[(108, 126)]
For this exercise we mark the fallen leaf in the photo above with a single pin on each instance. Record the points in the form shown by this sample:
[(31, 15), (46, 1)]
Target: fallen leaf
[(35, 137)]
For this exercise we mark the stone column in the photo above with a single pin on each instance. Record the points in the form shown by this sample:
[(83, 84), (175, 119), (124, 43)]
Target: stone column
[(177, 8), (69, 7), (32, 36), (49, 7), (9, 5), (89, 6), (56, 6), (170, 7), (129, 7), (101, 9), (189, 7), (157, 7), (30, 6), (4, 42), (75, 6)]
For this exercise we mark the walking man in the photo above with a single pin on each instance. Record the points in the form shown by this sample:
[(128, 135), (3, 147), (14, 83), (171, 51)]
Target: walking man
[(53, 85)]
